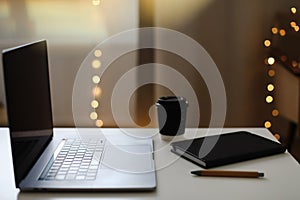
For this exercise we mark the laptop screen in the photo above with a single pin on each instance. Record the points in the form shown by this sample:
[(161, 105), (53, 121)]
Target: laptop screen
[(28, 101)]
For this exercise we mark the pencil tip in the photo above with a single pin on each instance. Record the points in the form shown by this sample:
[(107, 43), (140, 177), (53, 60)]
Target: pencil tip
[(261, 174), (196, 172)]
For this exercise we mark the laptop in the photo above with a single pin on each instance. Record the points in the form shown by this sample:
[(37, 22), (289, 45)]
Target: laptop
[(102, 160)]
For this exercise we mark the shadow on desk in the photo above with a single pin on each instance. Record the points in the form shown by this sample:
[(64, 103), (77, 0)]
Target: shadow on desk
[(289, 135)]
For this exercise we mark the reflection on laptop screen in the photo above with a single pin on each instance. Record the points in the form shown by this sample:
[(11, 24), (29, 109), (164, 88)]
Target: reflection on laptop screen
[(28, 103)]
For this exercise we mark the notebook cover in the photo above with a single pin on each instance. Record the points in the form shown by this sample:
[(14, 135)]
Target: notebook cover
[(226, 148)]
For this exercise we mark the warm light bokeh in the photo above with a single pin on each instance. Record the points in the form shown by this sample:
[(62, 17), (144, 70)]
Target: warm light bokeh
[(96, 64), (93, 115), (99, 123), (94, 104), (268, 124), (275, 113), (271, 72), (274, 30), (293, 10), (96, 79), (270, 87), (97, 91), (269, 99), (98, 53), (271, 60), (267, 43)]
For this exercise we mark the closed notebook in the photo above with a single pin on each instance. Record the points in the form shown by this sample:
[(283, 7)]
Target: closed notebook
[(213, 151)]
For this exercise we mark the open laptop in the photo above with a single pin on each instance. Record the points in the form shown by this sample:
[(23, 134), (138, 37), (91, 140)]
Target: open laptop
[(101, 161)]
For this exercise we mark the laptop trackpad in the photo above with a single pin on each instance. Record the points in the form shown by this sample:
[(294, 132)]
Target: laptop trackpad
[(128, 158)]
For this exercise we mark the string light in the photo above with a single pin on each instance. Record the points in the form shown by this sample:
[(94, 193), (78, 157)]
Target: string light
[(96, 79), (274, 30), (269, 99), (97, 53), (275, 113), (93, 115), (267, 43), (293, 10), (282, 32), (294, 64), (268, 124), (97, 91), (96, 64), (283, 58), (94, 104), (270, 61), (293, 24), (99, 123), (270, 87), (277, 136), (271, 73)]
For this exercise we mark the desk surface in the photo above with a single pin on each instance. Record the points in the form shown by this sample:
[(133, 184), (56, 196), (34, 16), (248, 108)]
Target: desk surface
[(282, 175)]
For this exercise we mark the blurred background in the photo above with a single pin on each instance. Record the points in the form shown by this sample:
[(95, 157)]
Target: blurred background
[(253, 43)]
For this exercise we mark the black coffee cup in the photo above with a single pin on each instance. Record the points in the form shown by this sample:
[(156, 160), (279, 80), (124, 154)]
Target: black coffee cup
[(171, 112)]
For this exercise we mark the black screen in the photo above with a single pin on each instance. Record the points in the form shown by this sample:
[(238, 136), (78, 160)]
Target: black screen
[(28, 103)]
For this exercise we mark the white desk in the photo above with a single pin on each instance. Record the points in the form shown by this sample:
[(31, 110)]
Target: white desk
[(282, 176)]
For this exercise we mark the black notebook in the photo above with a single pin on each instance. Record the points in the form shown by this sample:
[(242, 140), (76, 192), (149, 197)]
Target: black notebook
[(213, 151)]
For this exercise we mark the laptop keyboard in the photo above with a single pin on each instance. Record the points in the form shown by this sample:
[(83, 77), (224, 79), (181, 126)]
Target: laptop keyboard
[(76, 160)]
